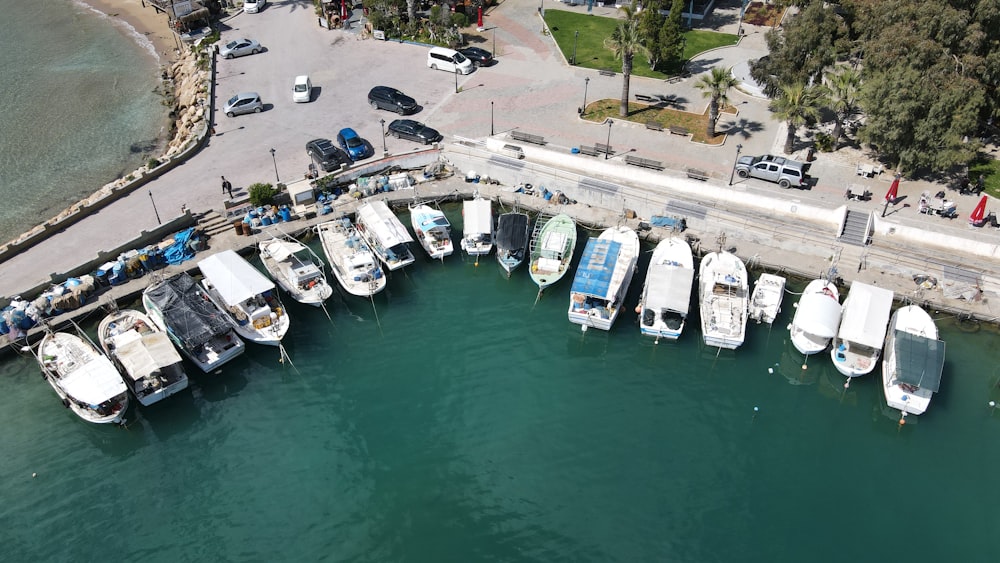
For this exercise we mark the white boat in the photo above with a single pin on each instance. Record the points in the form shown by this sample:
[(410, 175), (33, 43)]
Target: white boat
[(84, 378), (724, 298), (858, 343), (666, 295), (195, 324), (296, 268), (817, 317), (512, 240), (432, 229), (143, 352), (552, 245), (603, 277), (352, 262), (477, 226), (913, 361), (765, 301), (246, 296), (385, 234)]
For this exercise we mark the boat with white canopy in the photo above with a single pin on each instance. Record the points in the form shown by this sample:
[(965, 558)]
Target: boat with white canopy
[(247, 296), (817, 317), (863, 324), (296, 268), (152, 367), (603, 277), (432, 229), (666, 294), (477, 226), (913, 361), (385, 234)]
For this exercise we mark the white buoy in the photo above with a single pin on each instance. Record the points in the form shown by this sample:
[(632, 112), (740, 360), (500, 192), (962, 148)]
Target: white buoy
[(33, 475), (770, 370)]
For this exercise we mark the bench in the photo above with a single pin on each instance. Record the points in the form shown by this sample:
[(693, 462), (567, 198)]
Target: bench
[(696, 174), (645, 98), (643, 162), (606, 72), (675, 79), (654, 125), (678, 130), (606, 149), (588, 150), (527, 137)]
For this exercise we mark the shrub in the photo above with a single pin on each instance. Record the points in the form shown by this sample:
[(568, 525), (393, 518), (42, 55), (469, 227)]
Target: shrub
[(460, 20), (262, 194), (152, 163), (824, 142)]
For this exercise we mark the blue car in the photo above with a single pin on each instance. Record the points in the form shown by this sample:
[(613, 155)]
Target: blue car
[(353, 145)]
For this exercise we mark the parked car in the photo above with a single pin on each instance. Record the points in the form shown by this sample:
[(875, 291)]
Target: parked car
[(448, 60), (246, 102), (253, 6), (352, 144), (479, 57), (238, 48), (324, 153), (785, 172), (302, 90), (414, 131), (384, 97)]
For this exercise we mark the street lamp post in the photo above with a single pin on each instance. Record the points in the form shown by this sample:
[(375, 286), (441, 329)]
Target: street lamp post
[(494, 41), (155, 212), (607, 153), (491, 118), (385, 150), (739, 147), (586, 82), (456, 79), (576, 34), (743, 7), (276, 179)]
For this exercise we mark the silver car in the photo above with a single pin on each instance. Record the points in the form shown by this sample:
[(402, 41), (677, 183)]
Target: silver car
[(238, 48), (247, 102)]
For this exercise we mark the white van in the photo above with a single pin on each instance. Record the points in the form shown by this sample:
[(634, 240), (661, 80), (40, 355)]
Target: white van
[(302, 91), (440, 58)]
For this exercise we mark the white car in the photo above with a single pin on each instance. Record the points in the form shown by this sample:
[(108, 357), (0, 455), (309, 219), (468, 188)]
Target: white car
[(302, 90), (253, 6)]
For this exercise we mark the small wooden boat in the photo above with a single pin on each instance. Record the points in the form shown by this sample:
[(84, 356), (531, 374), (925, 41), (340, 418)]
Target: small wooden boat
[(666, 295), (296, 268), (432, 229), (385, 234), (512, 240), (552, 244), (603, 277), (351, 260), (477, 226), (863, 324), (913, 361), (246, 296), (143, 352), (765, 302), (817, 317), (722, 281), (84, 378)]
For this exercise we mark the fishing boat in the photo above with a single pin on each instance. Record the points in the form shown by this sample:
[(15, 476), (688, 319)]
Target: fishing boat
[(913, 361), (477, 226), (195, 324), (603, 277), (152, 368), (863, 323), (353, 263), (765, 301), (84, 378), (512, 240), (296, 268), (724, 297), (552, 244), (246, 296), (817, 317), (666, 294), (385, 234), (432, 229)]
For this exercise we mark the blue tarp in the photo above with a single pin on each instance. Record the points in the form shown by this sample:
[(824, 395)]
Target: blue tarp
[(677, 223), (179, 251), (593, 275)]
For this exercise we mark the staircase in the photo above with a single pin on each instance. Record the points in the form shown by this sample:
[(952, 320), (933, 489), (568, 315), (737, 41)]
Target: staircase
[(212, 224), (857, 226)]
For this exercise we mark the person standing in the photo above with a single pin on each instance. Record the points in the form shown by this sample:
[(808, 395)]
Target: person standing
[(227, 187), (980, 185)]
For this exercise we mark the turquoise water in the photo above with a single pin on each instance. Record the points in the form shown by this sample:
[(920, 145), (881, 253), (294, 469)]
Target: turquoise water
[(454, 419), (79, 108)]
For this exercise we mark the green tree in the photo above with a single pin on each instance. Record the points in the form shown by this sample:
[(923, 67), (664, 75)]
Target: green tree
[(796, 106), (715, 85), (672, 36), (650, 23), (842, 92), (625, 42)]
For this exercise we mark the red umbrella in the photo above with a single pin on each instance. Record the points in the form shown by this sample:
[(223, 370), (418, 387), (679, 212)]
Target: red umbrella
[(979, 213), (343, 10), (891, 195), (479, 22)]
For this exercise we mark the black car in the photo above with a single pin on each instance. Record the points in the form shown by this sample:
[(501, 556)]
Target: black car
[(324, 153), (384, 97), (414, 131), (479, 57)]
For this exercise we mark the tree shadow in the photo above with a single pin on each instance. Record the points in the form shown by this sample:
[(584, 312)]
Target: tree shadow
[(700, 66), (743, 128)]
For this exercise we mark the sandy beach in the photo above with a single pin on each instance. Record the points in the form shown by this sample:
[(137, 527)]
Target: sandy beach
[(146, 21)]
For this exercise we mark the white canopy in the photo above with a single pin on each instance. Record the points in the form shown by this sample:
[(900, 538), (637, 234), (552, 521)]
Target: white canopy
[(281, 250), (672, 288), (818, 314), (94, 382), (144, 355), (382, 223), (477, 215), (233, 277), (866, 315)]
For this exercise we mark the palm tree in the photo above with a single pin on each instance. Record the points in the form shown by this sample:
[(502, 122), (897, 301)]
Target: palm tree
[(715, 85), (411, 10), (842, 89), (796, 105), (626, 41)]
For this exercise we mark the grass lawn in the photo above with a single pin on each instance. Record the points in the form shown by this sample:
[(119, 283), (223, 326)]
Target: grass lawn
[(990, 169), (641, 113), (590, 50)]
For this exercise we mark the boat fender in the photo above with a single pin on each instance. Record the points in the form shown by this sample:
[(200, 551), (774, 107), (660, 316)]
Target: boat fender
[(65, 403)]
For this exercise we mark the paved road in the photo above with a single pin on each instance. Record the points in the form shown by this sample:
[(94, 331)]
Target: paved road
[(531, 89)]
